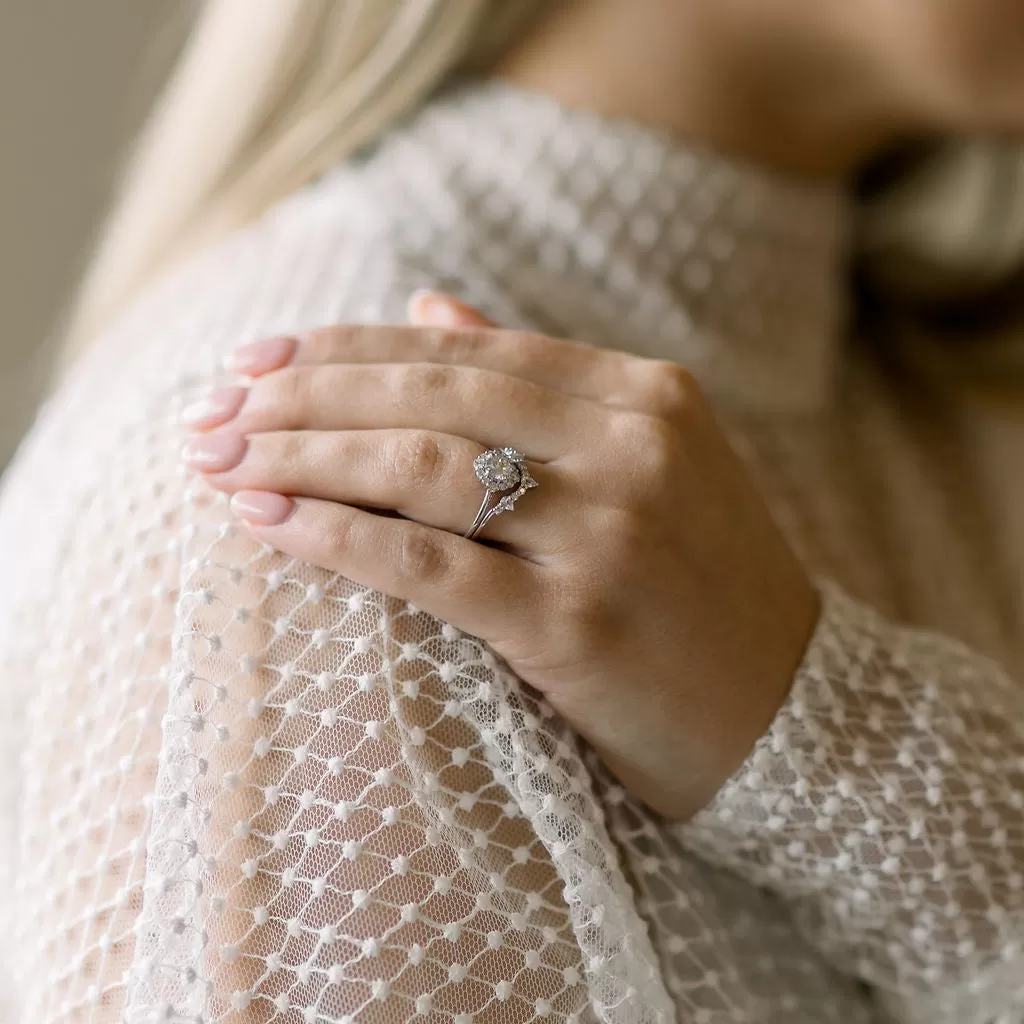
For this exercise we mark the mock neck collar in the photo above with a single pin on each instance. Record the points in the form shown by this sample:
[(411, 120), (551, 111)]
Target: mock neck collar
[(609, 233)]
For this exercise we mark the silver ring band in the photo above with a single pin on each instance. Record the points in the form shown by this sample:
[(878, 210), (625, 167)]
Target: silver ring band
[(506, 479)]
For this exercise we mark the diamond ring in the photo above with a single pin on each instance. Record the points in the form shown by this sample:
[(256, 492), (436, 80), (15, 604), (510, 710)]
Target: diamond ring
[(503, 472)]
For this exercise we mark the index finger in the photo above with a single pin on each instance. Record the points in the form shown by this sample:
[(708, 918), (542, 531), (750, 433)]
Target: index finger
[(576, 369)]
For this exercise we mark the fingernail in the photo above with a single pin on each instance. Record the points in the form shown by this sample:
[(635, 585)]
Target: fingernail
[(262, 508), (216, 408), (262, 356), (215, 453), (433, 310)]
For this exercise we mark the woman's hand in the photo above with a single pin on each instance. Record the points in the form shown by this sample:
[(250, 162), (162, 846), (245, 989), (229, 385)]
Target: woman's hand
[(642, 586)]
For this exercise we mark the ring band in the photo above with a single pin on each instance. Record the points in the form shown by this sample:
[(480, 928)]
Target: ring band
[(503, 472)]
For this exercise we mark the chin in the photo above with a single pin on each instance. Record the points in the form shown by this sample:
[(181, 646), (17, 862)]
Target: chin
[(977, 55)]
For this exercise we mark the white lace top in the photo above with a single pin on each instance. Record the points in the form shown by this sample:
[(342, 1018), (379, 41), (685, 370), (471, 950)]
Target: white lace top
[(240, 789)]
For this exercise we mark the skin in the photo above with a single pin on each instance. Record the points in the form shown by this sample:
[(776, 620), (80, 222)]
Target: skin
[(643, 587), (809, 86)]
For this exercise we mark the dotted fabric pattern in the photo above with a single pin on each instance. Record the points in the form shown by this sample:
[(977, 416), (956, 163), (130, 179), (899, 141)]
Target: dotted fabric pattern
[(240, 789)]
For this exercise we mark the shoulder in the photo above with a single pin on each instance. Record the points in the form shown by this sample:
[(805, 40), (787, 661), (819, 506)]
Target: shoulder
[(336, 252), (351, 248), (318, 257)]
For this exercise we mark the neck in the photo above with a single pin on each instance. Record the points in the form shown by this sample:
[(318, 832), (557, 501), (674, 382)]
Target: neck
[(773, 92)]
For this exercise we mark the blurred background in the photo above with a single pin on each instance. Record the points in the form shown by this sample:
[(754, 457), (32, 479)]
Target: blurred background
[(76, 80)]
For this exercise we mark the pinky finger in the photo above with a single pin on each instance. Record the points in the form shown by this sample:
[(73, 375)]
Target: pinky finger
[(476, 588)]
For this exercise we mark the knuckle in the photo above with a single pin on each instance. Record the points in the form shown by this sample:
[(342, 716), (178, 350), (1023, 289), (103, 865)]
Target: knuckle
[(274, 451), (481, 388), (285, 389), (339, 538), (424, 384), (322, 344), (416, 458), (653, 447), (672, 390), (650, 465), (459, 346), (421, 556), (659, 451), (286, 446)]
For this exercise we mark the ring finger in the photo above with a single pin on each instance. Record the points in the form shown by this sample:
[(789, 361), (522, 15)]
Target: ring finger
[(423, 475)]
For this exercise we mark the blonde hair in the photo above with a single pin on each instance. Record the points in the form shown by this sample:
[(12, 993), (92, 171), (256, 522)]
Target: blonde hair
[(267, 95)]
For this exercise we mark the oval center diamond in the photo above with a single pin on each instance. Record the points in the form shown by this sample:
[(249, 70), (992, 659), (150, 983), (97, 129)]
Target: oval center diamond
[(496, 471)]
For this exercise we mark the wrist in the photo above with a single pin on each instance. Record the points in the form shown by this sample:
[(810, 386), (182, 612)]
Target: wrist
[(770, 677)]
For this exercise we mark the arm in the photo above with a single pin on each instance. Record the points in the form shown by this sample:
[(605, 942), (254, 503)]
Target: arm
[(885, 802), (348, 826), (234, 763)]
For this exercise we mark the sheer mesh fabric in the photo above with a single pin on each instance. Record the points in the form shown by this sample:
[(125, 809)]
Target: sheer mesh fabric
[(238, 788), (886, 802)]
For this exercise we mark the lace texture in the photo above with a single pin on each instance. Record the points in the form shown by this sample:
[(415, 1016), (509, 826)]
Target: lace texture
[(241, 789)]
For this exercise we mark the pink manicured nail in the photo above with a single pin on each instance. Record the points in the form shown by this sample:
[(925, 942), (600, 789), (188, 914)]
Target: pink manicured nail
[(430, 310), (261, 357), (215, 409), (215, 453), (262, 508)]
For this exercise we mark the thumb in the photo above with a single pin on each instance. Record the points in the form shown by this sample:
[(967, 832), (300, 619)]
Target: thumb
[(433, 309)]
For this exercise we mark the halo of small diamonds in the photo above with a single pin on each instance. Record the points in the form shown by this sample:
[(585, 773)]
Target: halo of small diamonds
[(499, 469)]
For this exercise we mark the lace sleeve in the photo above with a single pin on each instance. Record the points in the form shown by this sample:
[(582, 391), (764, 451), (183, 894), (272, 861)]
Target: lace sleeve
[(884, 804), (353, 813), (239, 787)]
